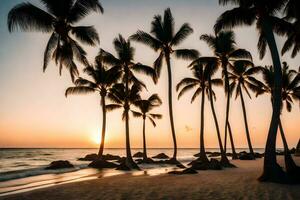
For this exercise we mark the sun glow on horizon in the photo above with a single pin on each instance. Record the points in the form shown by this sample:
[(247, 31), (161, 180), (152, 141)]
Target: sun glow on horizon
[(95, 138)]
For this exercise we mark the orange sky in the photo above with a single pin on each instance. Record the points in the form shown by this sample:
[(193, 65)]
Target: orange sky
[(35, 113)]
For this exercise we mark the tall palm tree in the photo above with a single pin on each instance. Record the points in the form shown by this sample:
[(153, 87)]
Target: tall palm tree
[(290, 92), (289, 27), (58, 18), (163, 40), (101, 81), (123, 97), (124, 61), (200, 82), (224, 47), (145, 107), (242, 77), (263, 13)]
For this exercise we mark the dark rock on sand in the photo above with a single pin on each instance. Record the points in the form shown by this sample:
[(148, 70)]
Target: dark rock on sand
[(245, 156), (60, 164), (214, 154), (214, 164), (138, 155), (89, 157), (110, 157), (185, 171), (101, 164), (145, 161), (124, 166), (161, 156)]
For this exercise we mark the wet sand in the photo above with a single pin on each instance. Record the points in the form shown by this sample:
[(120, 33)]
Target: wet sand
[(236, 183)]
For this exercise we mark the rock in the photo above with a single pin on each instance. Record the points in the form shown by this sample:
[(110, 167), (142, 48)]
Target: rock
[(197, 155), (100, 164), (89, 157), (229, 154), (214, 164), (198, 165), (161, 156), (214, 154), (110, 157), (60, 164), (181, 166), (297, 151), (145, 161), (258, 155), (125, 166), (138, 155), (293, 150), (121, 159), (245, 156), (185, 171)]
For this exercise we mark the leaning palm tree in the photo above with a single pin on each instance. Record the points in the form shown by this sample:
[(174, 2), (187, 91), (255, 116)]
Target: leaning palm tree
[(290, 92), (145, 107), (125, 62), (101, 81), (200, 82), (163, 39), (58, 18), (124, 96), (263, 13), (242, 77), (224, 47)]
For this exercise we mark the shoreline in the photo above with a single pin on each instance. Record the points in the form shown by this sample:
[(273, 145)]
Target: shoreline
[(235, 183)]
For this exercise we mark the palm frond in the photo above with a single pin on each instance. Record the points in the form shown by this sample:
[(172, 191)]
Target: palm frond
[(147, 39), (52, 43), (82, 8), (111, 107), (79, 90), (138, 67), (28, 17), (184, 31), (152, 121), (186, 54), (158, 63), (86, 34), (186, 89)]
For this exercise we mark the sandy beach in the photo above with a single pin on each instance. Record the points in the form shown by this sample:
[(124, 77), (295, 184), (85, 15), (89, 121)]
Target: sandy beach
[(237, 183)]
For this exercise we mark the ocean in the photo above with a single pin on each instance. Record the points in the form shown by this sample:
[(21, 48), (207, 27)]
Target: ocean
[(24, 169)]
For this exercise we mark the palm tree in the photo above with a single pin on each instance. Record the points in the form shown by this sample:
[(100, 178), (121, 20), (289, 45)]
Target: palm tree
[(242, 77), (200, 82), (263, 13), (163, 39), (224, 47), (101, 81), (289, 27), (58, 18), (123, 97), (145, 107), (124, 61), (290, 92)]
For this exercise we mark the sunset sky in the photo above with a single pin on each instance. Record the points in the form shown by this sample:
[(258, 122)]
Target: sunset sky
[(35, 113)]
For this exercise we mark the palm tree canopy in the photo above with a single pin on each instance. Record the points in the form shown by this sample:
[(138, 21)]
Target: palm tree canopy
[(246, 13), (125, 61), (202, 74), (242, 76), (58, 18), (290, 84), (146, 106), (101, 77), (163, 38)]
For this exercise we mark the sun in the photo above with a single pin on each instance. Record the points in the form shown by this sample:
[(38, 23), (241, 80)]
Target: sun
[(96, 138)]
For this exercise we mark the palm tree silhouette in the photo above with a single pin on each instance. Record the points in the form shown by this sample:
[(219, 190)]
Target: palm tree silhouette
[(290, 92), (124, 61), (163, 39), (59, 19), (123, 97), (145, 107), (102, 81), (263, 13), (200, 82), (224, 47), (242, 77), (289, 27)]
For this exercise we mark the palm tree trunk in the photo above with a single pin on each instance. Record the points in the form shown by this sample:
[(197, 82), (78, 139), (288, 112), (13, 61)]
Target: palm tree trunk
[(100, 153), (272, 171), (171, 105), (129, 161), (224, 159), (246, 124), (203, 156), (234, 155), (144, 140), (224, 66), (290, 165)]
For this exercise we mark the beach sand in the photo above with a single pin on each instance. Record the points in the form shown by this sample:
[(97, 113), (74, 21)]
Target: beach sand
[(236, 183)]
